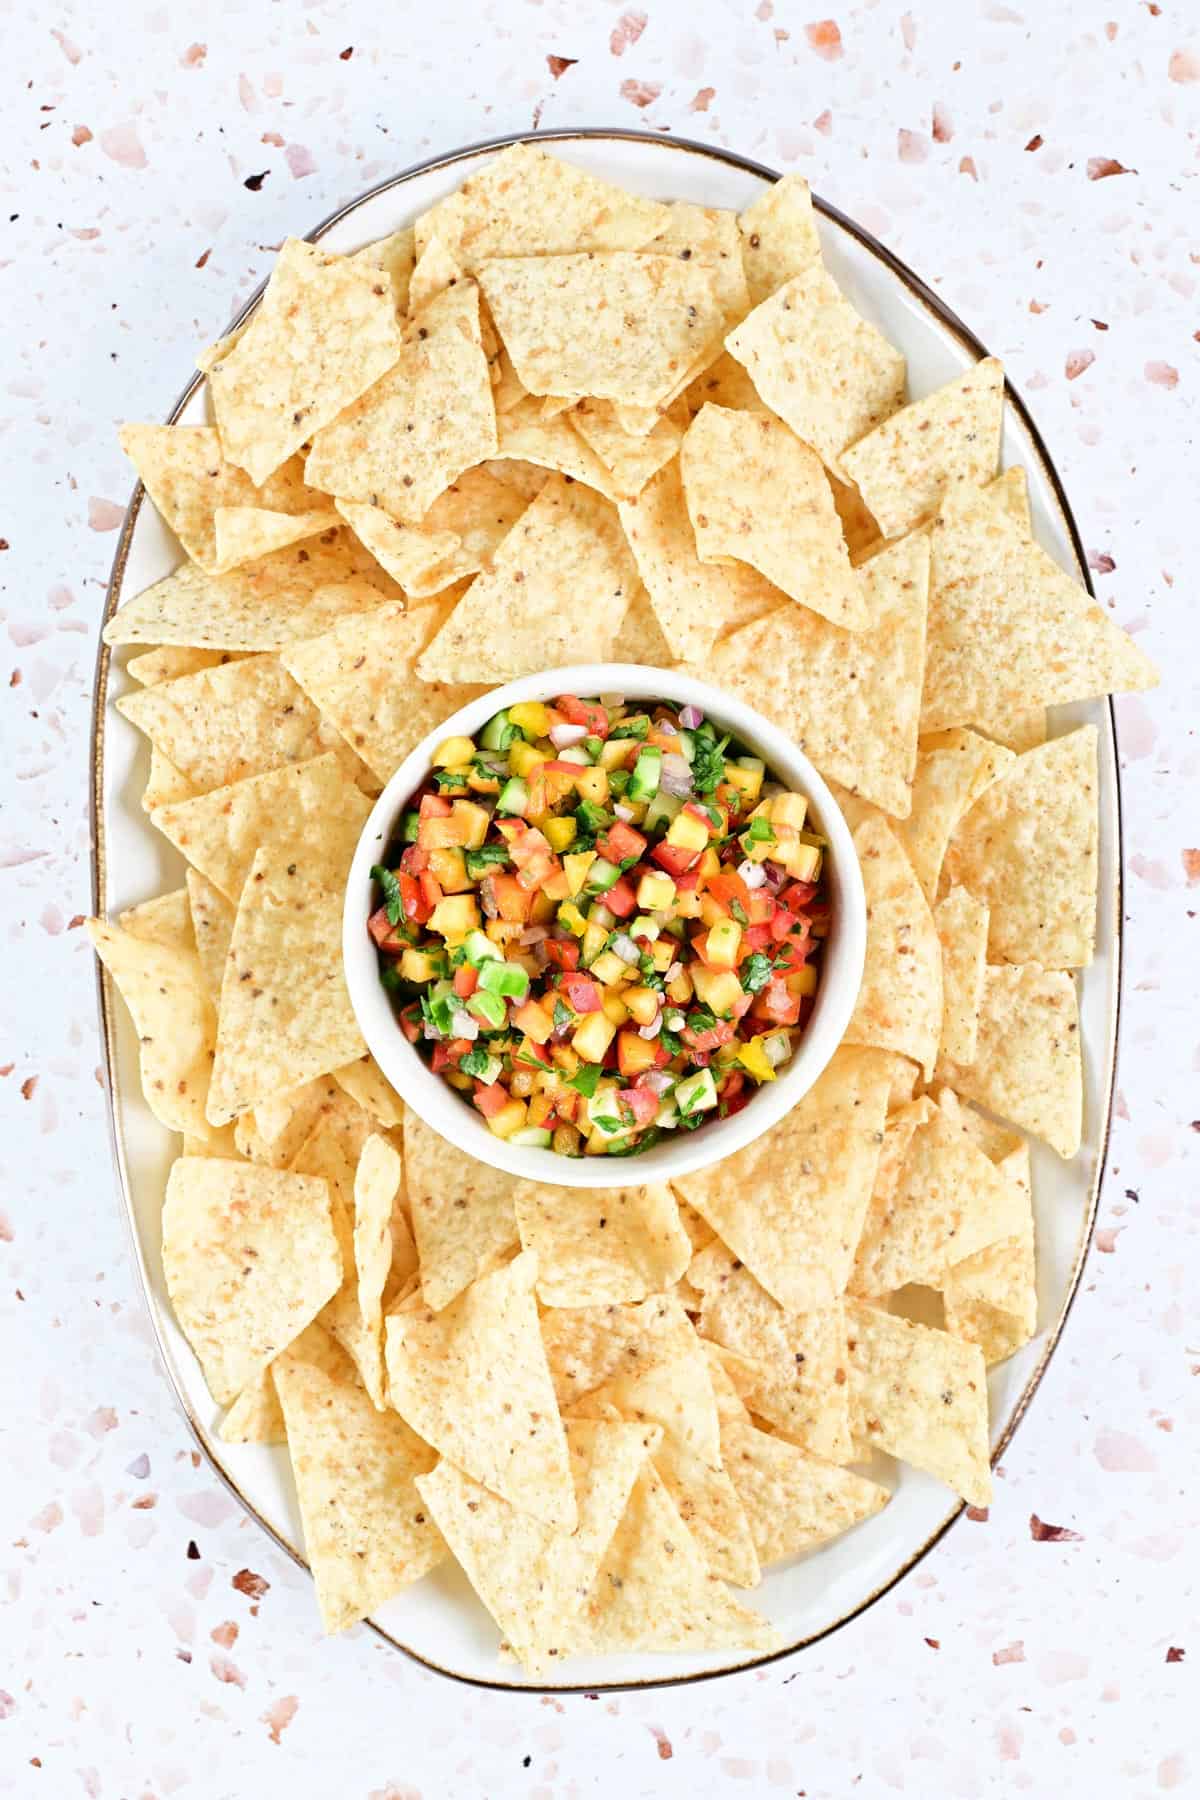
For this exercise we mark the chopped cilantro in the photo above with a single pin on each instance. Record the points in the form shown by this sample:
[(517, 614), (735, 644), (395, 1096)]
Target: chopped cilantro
[(450, 778), (708, 764), (755, 972), (591, 818), (606, 1122), (671, 1041), (585, 1080), (390, 888), (562, 1017), (475, 1062), (701, 1018), (391, 978), (739, 912), (760, 831), (648, 1138)]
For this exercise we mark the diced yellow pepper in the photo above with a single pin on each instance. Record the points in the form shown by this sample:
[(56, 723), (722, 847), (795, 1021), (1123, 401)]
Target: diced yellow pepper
[(510, 1118), (457, 1079), (608, 967), (530, 716), (420, 965), (724, 942), (592, 784), (594, 940), (748, 782), (614, 1007), (642, 1003), (454, 917), (576, 867), (687, 832), (561, 832), (449, 870), (544, 907), (570, 916), (655, 891), (523, 758), (679, 988), (801, 981), (453, 752), (755, 1060), (592, 1036), (718, 989), (712, 911), (789, 809)]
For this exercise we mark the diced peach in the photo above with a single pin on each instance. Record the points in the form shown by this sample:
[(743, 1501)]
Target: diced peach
[(635, 1054)]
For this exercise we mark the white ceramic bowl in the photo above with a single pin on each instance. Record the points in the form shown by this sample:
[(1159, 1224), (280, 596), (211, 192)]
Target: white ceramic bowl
[(841, 970)]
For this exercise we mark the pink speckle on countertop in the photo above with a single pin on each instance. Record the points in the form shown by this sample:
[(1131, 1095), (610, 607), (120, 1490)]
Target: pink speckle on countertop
[(1119, 1452), (943, 124), (71, 51), (1009, 1740), (1162, 374), (1058, 1666), (908, 31), (1172, 1771), (87, 1503), (122, 143), (825, 38), (300, 161), (103, 1420), (279, 1716), (193, 56), (1191, 866), (1183, 66), (226, 1671), (1010, 1653), (911, 147), (640, 93), (627, 30), (702, 100), (1077, 362), (1106, 1238), (1152, 871), (209, 1507), (225, 1634), (104, 515)]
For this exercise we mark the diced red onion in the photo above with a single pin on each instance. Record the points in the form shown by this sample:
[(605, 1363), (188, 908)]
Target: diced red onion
[(624, 812), (674, 972), (430, 1030), (652, 1030), (624, 947), (464, 1025), (659, 1081), (534, 934), (752, 873), (773, 876), (562, 736), (690, 717), (675, 775)]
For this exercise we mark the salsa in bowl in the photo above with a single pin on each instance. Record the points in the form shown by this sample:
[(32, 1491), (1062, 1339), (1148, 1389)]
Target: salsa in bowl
[(602, 920)]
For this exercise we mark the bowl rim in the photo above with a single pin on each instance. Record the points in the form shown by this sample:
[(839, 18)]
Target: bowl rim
[(440, 1107)]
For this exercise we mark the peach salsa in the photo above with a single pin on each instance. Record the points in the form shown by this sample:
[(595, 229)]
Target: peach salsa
[(601, 921)]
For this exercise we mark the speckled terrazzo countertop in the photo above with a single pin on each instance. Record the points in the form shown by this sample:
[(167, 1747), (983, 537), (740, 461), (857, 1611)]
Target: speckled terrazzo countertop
[(1038, 163)]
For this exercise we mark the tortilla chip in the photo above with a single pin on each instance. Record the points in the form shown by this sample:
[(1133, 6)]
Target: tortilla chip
[(366, 1083), (249, 1257), (792, 1501), (360, 675), (457, 537), (708, 238), (953, 769), (230, 612), (188, 475), (1028, 1065), (163, 920), (791, 1204), (245, 533), (899, 1127), (377, 1182), (589, 1345), (899, 1004), (524, 435), (724, 383), (655, 1591), (473, 1381), (630, 460), (779, 237), (799, 1380), (324, 332), (696, 602), (417, 430), (1010, 491), (1029, 848), (513, 620), (903, 467), (526, 202), (948, 1202), (601, 1246), (219, 832), (435, 270), (332, 1152), (167, 664), (212, 927), (163, 987), (394, 256), (256, 1416), (851, 700), (462, 1212), (962, 927), (755, 494), (1008, 628), (276, 1130), (991, 1298), (859, 528), (921, 1395), (534, 1578), (285, 1015), (366, 1530), (641, 639), (826, 372), (615, 325), (222, 724)]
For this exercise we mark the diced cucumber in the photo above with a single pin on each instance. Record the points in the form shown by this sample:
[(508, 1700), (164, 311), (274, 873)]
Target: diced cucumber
[(696, 1093), (574, 753), (647, 771), (508, 980), (661, 810), (513, 797), (687, 744), (490, 1009), (410, 824), (531, 1137), (618, 782), (601, 876), (599, 914), (477, 948), (645, 926), (492, 737), (667, 1116), (593, 746)]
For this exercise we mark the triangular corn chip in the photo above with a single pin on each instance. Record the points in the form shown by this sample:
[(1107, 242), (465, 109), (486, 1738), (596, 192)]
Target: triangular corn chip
[(167, 664), (991, 1297), (903, 467), (641, 638), (473, 1381), (708, 237), (601, 1246), (818, 364), (163, 987), (524, 434), (360, 676), (245, 533), (850, 699), (533, 1578), (791, 1204), (921, 1395), (630, 460), (377, 1181), (324, 332), (212, 926), (1028, 1065), (589, 1345), (250, 1257), (165, 919), (366, 1083), (962, 927), (1008, 628), (953, 769), (366, 1531), (417, 430), (256, 1416), (779, 237), (393, 256), (512, 620), (1029, 848), (755, 494), (791, 1500), (725, 383), (240, 611), (462, 1212), (899, 1004)]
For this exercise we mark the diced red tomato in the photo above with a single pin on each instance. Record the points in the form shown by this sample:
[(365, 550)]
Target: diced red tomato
[(754, 938), (728, 887), (741, 1007), (641, 1102), (583, 712), (727, 1108), (776, 1004), (688, 880), (536, 1053), (447, 1055), (621, 898), (410, 1023), (434, 807), (466, 980), (761, 908), (621, 841), (416, 906), (490, 1100), (581, 993), (712, 1039), (796, 949), (431, 889), (675, 860), (798, 894), (415, 860), (385, 934), (562, 953), (781, 923), (732, 1084)]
